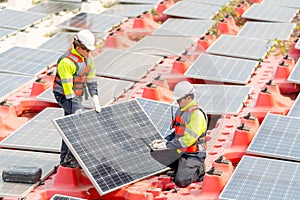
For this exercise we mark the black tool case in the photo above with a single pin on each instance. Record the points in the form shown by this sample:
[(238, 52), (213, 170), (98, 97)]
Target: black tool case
[(20, 174)]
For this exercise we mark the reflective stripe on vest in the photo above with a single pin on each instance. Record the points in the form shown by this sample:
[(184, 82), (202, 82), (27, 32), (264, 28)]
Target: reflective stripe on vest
[(79, 78), (181, 118)]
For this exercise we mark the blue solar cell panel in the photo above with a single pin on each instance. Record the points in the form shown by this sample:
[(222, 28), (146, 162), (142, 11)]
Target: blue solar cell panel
[(295, 109), (294, 76)]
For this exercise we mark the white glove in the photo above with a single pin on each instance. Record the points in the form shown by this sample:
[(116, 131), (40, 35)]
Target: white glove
[(79, 111), (159, 144), (96, 103)]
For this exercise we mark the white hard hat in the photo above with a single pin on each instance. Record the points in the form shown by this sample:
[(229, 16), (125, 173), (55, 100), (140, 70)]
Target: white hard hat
[(183, 89), (86, 38)]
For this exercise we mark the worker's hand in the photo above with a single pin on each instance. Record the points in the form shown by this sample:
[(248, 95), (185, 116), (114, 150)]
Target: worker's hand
[(159, 146), (158, 141), (79, 111), (96, 103)]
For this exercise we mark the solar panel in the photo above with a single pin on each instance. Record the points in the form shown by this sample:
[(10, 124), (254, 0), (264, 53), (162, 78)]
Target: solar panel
[(269, 13), (286, 3), (18, 20), (109, 91), (49, 7), (10, 83), (97, 23), (37, 134), (222, 69), (184, 27), (26, 61), (6, 32), (162, 45), (139, 1), (128, 10), (294, 76), (63, 197), (59, 42), (109, 145), (240, 47), (295, 109), (212, 2), (125, 64), (9, 158), (297, 46), (188, 9), (160, 113), (261, 178), (278, 136), (221, 99), (267, 30)]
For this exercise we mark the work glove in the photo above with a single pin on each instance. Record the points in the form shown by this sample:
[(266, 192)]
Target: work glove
[(159, 144), (96, 103), (79, 111)]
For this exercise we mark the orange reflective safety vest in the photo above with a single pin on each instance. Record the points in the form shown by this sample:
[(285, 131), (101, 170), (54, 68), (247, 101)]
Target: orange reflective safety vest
[(179, 124), (79, 78)]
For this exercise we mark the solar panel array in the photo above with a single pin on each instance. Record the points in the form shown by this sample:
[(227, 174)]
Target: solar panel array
[(183, 27), (285, 3), (269, 13), (240, 47), (193, 10), (128, 10), (109, 91), (162, 45), (10, 158), (261, 178), (294, 76), (50, 7), (212, 2), (139, 1), (26, 61), (18, 20), (267, 30), (97, 23), (295, 109), (222, 69), (125, 65), (63, 197), (10, 83), (109, 145), (278, 136), (37, 134), (160, 114), (221, 99)]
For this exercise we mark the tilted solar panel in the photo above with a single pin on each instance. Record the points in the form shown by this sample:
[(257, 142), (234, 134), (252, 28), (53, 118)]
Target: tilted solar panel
[(126, 65), (162, 45), (96, 23), (261, 178), (109, 145), (18, 20), (222, 69), (269, 13), (278, 136), (240, 47), (295, 109), (37, 134), (193, 10), (183, 27), (212, 2), (50, 7), (64, 197), (128, 10), (285, 3), (267, 30)]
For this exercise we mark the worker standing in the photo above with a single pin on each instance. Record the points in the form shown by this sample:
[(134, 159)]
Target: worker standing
[(185, 149), (75, 71)]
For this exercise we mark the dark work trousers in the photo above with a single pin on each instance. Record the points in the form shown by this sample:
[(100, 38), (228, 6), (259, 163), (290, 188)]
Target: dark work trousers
[(188, 167), (70, 106)]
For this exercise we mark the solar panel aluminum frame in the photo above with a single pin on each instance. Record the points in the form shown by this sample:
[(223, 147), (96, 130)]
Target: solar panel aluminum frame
[(294, 76), (82, 164)]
